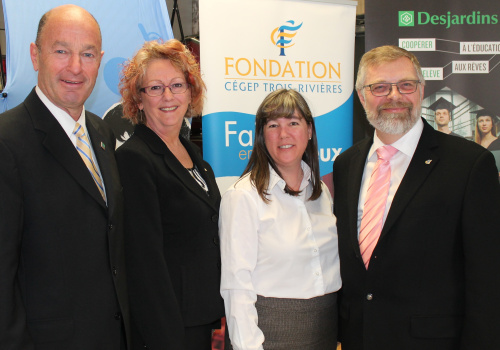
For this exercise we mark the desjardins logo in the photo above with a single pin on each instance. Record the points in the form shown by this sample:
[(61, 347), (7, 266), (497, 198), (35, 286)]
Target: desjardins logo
[(408, 19)]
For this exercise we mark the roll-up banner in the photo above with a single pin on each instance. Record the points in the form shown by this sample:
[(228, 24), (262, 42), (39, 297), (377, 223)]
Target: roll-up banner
[(458, 46), (250, 48)]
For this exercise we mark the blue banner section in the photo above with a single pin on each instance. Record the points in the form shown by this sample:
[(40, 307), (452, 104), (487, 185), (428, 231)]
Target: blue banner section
[(232, 134), (125, 25), (334, 131), (230, 143)]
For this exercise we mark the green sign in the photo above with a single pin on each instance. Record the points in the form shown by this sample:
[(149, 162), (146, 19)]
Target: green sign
[(406, 19)]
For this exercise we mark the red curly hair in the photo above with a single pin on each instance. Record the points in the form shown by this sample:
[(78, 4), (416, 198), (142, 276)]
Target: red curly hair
[(134, 70)]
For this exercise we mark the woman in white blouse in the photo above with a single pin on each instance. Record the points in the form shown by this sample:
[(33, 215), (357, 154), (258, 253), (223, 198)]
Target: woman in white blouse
[(280, 264)]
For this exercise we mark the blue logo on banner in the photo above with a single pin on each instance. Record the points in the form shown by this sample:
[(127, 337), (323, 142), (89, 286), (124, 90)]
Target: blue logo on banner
[(282, 36)]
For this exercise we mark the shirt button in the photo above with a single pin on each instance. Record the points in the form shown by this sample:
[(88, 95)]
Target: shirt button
[(317, 273), (115, 271), (215, 218), (118, 316), (369, 296), (315, 250), (216, 241)]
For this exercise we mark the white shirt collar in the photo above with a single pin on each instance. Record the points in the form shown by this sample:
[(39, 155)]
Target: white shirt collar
[(64, 119), (275, 179), (406, 144)]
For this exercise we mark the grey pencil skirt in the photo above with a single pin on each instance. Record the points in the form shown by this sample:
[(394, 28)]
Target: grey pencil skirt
[(298, 324)]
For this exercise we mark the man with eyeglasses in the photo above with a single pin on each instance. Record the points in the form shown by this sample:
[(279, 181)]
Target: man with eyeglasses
[(417, 223)]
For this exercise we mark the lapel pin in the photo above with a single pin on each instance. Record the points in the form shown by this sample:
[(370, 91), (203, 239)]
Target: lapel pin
[(205, 169), (428, 161), (103, 146)]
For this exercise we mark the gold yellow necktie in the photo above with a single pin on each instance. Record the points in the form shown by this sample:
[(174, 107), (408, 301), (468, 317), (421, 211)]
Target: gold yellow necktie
[(83, 148)]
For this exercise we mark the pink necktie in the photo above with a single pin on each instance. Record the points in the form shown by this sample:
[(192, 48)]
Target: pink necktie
[(376, 199)]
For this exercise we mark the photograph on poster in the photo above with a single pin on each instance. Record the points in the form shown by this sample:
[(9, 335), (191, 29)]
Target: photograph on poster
[(450, 112)]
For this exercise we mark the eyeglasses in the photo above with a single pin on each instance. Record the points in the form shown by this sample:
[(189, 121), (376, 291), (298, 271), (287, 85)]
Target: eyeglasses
[(384, 89), (158, 90)]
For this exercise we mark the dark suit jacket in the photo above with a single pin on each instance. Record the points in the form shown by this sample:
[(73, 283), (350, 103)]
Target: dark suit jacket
[(172, 241), (494, 146), (62, 277), (433, 278)]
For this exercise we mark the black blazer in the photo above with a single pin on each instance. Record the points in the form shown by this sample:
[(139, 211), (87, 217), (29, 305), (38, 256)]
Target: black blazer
[(62, 273), (433, 279), (172, 241)]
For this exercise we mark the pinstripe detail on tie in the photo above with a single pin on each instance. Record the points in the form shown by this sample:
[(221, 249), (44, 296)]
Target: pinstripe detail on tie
[(83, 148), (375, 203)]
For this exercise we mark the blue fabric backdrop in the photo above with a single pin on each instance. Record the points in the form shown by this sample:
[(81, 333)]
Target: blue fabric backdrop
[(125, 25)]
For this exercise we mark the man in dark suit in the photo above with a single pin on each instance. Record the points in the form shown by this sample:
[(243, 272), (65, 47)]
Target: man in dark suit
[(428, 279), (62, 281)]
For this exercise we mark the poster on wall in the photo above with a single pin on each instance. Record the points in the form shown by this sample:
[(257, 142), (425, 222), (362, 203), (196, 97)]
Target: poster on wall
[(250, 48), (458, 46)]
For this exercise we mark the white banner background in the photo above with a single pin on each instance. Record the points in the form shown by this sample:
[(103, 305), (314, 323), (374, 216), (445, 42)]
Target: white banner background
[(318, 62)]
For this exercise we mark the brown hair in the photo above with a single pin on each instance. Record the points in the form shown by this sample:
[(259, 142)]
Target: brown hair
[(134, 70), (478, 137), (281, 104)]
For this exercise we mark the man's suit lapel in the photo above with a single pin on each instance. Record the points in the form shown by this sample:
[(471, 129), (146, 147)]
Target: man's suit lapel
[(421, 165), (56, 141), (355, 174)]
